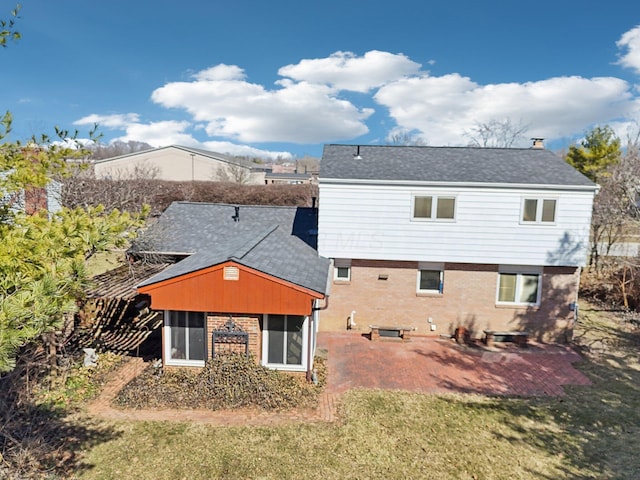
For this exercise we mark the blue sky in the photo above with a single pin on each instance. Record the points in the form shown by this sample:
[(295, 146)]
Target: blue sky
[(269, 78)]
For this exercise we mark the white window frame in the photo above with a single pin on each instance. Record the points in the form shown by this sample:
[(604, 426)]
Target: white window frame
[(520, 272), (341, 263), (338, 278), (539, 207), (437, 267), (182, 362), (285, 366), (435, 199)]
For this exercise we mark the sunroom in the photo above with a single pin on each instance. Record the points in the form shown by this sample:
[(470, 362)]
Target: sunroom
[(256, 292)]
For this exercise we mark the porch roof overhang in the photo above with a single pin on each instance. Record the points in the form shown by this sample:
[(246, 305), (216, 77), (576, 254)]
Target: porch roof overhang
[(207, 290)]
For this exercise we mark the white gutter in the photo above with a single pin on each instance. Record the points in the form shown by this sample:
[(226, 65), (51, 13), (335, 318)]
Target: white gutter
[(410, 183)]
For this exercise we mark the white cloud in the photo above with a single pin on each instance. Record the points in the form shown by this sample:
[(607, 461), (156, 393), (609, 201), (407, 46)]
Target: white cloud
[(158, 134), (346, 71), (444, 108), (171, 132), (242, 150), (299, 112), (221, 72), (109, 121), (631, 42), (329, 99)]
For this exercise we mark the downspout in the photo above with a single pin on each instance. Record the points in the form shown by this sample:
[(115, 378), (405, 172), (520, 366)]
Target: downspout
[(310, 336), (574, 322)]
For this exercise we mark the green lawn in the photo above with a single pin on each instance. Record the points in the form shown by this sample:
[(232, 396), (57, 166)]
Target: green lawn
[(592, 432)]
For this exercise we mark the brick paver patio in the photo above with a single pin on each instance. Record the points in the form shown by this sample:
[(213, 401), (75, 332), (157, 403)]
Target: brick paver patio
[(427, 365), (433, 365)]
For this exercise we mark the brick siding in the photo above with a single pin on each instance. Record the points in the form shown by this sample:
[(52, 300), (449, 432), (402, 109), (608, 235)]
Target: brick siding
[(252, 324), (468, 299)]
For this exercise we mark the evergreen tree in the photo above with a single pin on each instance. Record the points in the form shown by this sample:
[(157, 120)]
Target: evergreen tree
[(596, 153), (42, 255)]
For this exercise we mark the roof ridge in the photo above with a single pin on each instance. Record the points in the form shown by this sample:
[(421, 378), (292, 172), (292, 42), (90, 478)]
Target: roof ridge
[(242, 251), (274, 207)]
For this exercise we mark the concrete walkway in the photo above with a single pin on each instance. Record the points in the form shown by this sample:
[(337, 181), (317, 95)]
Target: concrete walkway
[(425, 365)]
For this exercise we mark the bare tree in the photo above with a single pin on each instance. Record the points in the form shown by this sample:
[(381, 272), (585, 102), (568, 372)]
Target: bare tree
[(117, 148), (232, 173), (496, 133), (616, 209), (406, 138)]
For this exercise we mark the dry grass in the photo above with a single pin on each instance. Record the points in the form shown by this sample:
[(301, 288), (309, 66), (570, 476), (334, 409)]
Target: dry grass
[(592, 432)]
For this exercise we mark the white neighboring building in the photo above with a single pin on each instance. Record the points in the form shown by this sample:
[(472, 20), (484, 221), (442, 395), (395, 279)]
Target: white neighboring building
[(179, 163), (442, 237)]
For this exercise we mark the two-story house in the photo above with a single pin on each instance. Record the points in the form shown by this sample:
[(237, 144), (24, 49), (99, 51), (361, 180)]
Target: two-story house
[(442, 237)]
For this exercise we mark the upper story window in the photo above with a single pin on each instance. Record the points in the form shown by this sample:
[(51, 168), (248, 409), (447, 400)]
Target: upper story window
[(434, 207), (538, 210)]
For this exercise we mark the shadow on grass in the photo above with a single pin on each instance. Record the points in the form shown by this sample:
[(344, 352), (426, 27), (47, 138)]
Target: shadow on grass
[(38, 440), (594, 429)]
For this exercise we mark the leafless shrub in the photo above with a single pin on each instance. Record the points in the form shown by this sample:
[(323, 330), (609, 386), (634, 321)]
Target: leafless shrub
[(227, 381), (132, 194), (496, 133), (36, 440)]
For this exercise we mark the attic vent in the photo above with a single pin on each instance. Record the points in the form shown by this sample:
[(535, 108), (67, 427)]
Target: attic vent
[(231, 273)]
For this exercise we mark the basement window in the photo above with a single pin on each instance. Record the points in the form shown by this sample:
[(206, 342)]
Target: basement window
[(342, 270), (430, 278)]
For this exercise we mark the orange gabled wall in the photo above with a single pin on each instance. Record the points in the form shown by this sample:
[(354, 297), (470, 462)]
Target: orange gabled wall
[(207, 291)]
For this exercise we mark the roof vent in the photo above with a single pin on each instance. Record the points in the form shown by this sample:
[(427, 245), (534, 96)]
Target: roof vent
[(357, 156), (538, 143), (231, 273), (236, 216)]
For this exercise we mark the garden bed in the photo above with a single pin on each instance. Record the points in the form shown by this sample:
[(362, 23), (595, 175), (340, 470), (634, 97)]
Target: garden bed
[(228, 381)]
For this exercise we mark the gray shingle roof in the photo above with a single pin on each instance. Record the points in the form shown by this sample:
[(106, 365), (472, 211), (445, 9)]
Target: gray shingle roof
[(278, 241), (525, 166)]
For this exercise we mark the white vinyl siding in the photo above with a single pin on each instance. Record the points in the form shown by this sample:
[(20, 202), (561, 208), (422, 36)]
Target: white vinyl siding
[(375, 222)]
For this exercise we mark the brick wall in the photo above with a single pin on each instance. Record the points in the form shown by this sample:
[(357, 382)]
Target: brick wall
[(251, 324), (468, 299)]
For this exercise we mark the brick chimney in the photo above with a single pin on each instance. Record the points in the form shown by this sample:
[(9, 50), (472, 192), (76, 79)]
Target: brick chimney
[(538, 143)]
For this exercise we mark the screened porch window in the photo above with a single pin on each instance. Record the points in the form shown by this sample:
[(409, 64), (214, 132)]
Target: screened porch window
[(285, 340), (184, 338)]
